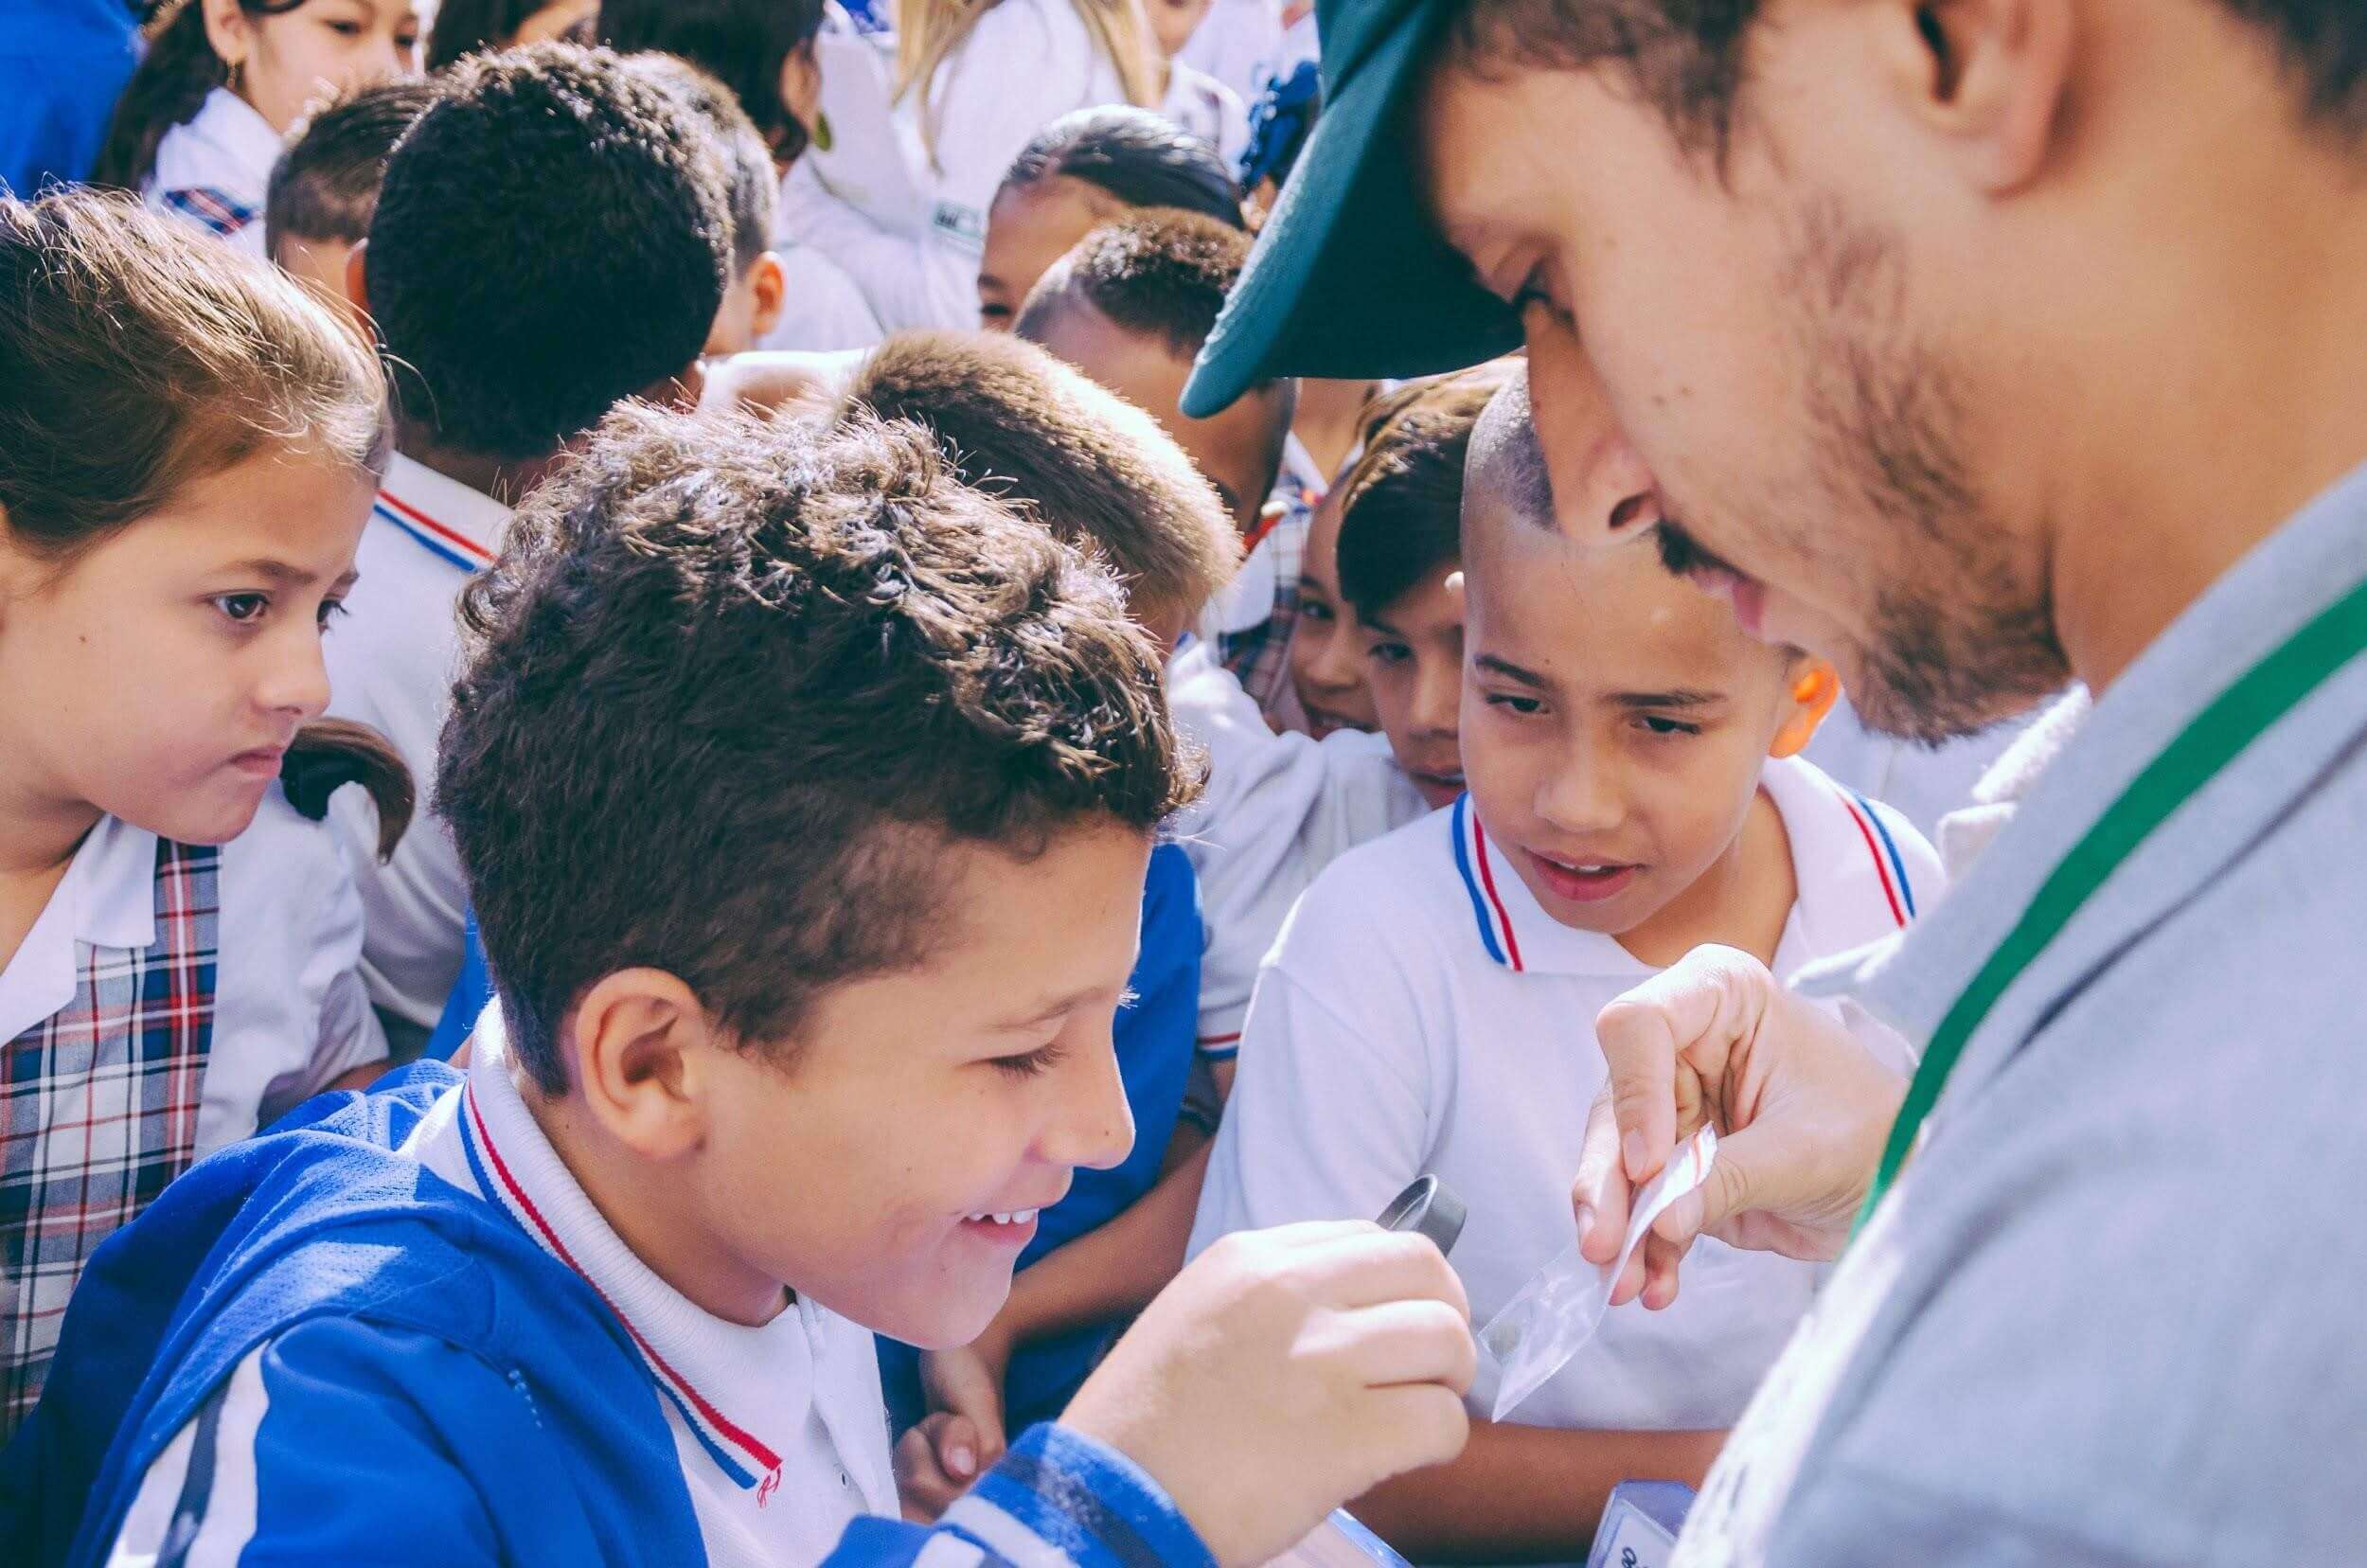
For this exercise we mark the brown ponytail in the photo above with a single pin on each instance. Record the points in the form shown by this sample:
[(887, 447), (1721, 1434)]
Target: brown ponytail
[(168, 89), (330, 754)]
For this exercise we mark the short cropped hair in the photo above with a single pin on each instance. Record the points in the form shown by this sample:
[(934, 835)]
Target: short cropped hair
[(1504, 456), (324, 186), (755, 184), (1135, 156), (1402, 502), (553, 235), (1162, 274), (742, 44), (1099, 473), (732, 688)]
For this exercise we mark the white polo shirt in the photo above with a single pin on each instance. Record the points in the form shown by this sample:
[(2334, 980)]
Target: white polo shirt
[(391, 662), (214, 169), (1423, 1014), (1279, 809), (781, 1429)]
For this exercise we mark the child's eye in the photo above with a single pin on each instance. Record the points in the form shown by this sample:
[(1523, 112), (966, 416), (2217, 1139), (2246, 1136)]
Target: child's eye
[(1315, 610), (994, 312), (244, 609), (1522, 706), (1653, 724), (331, 609), (1389, 653), (343, 28), (1034, 1064)]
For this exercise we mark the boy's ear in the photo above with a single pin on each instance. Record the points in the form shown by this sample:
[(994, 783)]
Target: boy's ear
[(768, 284), (641, 1045), (1815, 687), (357, 279)]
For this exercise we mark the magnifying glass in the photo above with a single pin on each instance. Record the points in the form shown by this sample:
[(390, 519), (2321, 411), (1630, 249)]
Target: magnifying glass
[(1427, 1208)]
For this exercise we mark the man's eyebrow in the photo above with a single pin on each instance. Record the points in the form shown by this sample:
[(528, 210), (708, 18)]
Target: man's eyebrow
[(1681, 697)]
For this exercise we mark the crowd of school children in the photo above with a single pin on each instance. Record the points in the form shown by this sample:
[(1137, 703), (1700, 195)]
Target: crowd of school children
[(630, 580)]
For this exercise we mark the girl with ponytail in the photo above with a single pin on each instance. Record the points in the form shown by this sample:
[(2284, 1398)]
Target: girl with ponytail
[(199, 127), (189, 446)]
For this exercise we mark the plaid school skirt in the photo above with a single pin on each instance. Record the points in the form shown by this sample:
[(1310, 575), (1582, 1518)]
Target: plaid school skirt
[(98, 1107)]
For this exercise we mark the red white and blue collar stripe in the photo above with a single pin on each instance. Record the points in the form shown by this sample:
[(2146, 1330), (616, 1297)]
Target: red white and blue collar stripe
[(439, 538), (742, 1457), (216, 210), (1888, 866), (1481, 877)]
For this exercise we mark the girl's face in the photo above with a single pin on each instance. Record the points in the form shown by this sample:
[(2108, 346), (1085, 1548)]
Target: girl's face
[(161, 676), (554, 20), (1327, 648), (1029, 228), (1173, 21), (281, 64), (1413, 661)]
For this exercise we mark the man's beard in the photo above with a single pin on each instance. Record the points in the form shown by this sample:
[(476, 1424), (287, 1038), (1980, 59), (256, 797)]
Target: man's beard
[(1961, 629)]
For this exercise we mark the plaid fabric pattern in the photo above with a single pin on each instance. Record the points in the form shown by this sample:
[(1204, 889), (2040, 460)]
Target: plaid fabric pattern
[(217, 210), (1260, 656), (99, 1111)]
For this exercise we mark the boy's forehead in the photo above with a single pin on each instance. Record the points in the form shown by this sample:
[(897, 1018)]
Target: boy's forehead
[(1600, 619)]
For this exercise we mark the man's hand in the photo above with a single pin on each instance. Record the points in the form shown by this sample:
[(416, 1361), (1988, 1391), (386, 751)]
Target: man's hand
[(1285, 1372), (1801, 1110)]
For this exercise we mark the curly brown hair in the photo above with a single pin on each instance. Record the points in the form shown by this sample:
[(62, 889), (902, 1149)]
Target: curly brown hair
[(734, 686)]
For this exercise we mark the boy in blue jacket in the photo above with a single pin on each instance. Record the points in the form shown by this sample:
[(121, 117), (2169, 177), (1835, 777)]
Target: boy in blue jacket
[(805, 795)]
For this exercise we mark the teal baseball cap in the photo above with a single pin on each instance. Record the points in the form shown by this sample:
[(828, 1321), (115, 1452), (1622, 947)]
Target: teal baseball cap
[(1349, 277)]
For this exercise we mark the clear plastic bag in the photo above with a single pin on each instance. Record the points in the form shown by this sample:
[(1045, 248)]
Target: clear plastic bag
[(1555, 1315)]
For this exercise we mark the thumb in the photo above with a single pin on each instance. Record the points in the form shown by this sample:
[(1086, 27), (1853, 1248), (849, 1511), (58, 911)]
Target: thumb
[(959, 1447), (1735, 1185)]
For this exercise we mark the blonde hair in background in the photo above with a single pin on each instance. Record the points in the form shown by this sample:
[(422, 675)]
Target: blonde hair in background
[(929, 31)]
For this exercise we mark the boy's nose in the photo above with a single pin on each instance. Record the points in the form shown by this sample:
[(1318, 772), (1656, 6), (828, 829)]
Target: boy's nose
[(1094, 1127), (1579, 796), (1438, 701)]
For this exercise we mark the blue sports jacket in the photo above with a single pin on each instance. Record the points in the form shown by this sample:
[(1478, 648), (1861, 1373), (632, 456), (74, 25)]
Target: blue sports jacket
[(471, 1400)]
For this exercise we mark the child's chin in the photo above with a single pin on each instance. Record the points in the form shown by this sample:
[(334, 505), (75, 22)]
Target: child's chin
[(955, 1314)]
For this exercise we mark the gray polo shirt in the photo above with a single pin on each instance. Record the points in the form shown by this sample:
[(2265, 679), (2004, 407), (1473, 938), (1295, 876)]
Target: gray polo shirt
[(2115, 1311)]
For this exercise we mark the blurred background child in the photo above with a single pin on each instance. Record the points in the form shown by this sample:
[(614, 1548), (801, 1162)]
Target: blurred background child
[(198, 128)]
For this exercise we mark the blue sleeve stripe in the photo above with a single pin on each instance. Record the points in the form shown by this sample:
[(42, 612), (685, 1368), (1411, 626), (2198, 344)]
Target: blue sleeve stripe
[(1089, 1501), (197, 1484)]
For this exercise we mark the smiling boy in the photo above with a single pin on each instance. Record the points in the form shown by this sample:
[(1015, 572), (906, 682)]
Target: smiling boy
[(801, 1068)]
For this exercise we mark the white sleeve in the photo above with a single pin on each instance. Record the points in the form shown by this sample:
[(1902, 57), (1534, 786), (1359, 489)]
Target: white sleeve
[(1279, 809), (1330, 1115), (291, 1013), (1024, 65)]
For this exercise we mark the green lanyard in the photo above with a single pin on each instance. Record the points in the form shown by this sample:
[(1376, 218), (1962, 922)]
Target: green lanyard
[(2219, 734)]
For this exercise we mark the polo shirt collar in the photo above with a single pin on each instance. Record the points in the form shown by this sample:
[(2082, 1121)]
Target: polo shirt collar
[(2312, 560), (462, 526), (227, 122), (1853, 884), (107, 899), (745, 1392)]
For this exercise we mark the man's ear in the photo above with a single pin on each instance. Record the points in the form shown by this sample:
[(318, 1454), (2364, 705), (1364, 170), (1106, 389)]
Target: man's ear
[(768, 286), (639, 1048), (1815, 687), (1988, 76), (358, 279)]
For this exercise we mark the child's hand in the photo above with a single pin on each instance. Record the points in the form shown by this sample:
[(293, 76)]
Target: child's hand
[(936, 1462), (1285, 1372), (968, 1382)]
